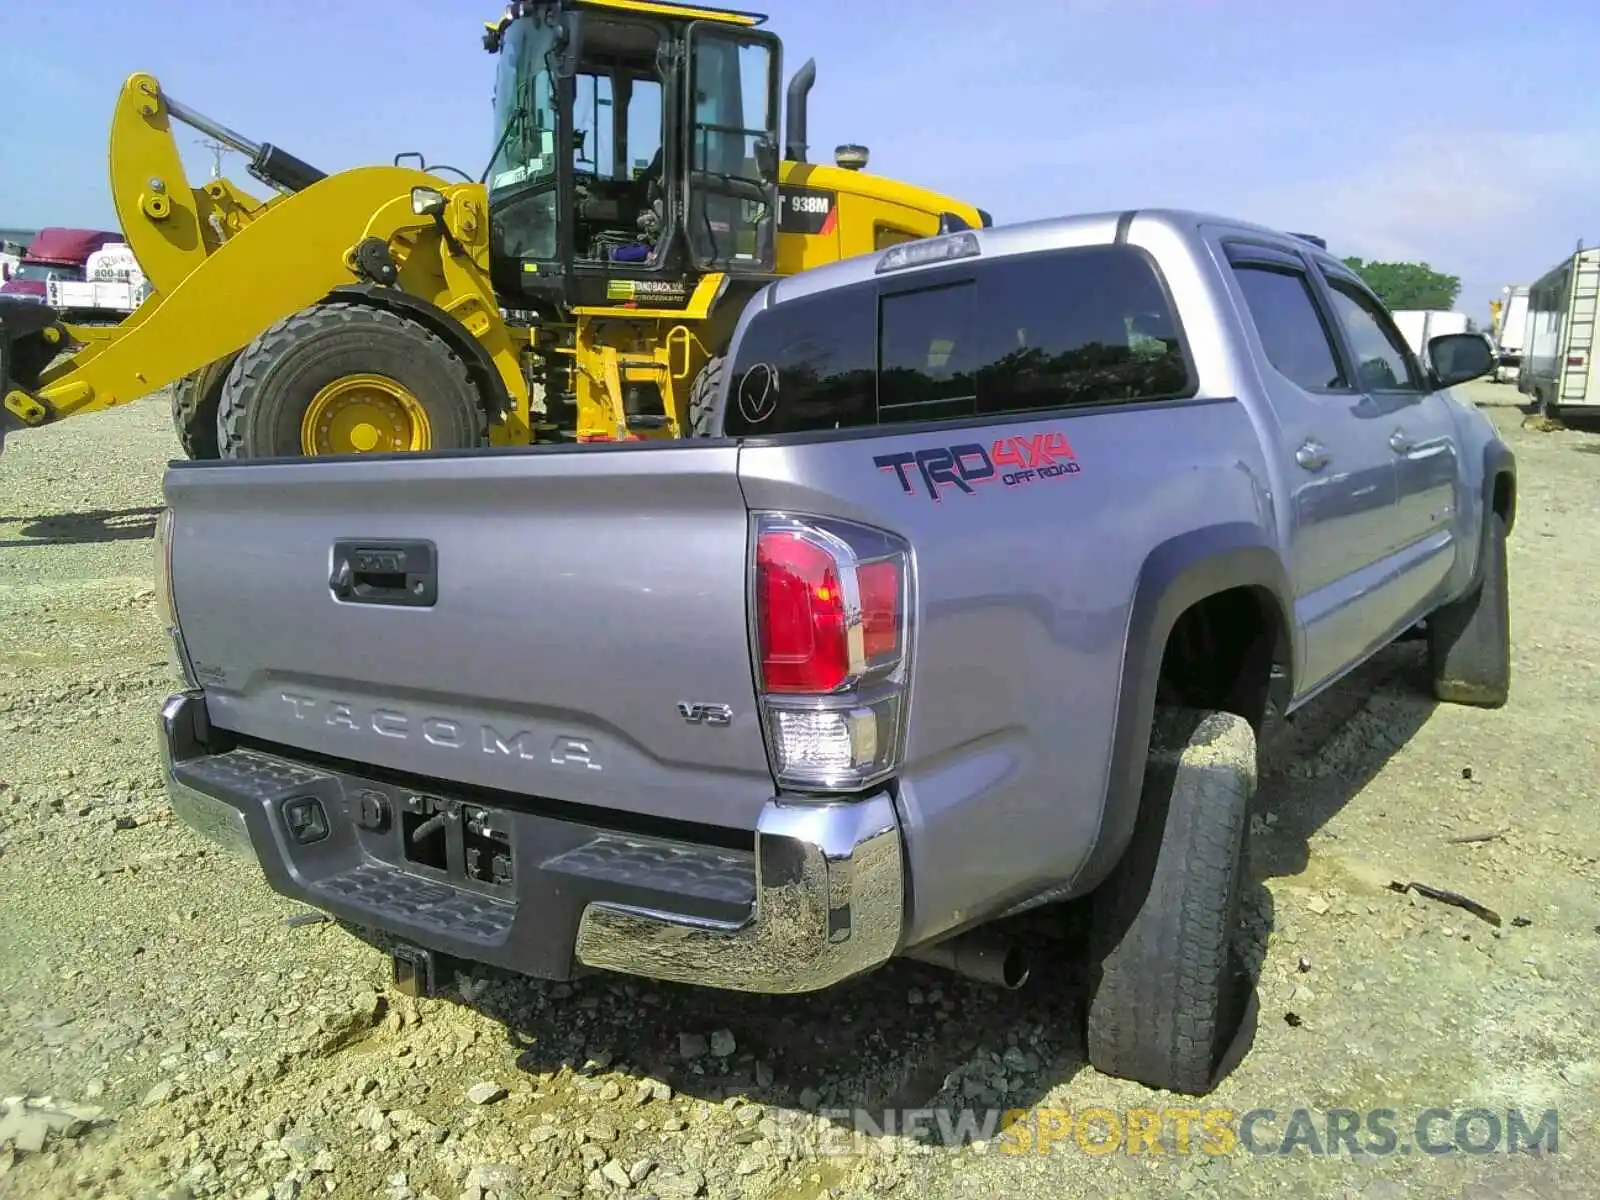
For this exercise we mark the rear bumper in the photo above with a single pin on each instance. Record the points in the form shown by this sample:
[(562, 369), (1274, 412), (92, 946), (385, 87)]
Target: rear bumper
[(819, 898)]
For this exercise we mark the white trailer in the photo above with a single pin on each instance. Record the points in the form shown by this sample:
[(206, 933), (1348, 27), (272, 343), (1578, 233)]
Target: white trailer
[(112, 287), (1558, 361), (1511, 332), (1417, 325)]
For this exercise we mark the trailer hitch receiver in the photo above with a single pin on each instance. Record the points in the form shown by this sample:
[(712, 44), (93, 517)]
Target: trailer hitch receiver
[(414, 970)]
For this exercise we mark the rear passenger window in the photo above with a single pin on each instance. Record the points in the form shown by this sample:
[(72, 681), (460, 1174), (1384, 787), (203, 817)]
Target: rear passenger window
[(806, 364), (1292, 332), (1087, 325), (928, 356)]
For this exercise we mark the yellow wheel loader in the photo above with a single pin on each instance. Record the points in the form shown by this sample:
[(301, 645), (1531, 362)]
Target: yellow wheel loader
[(583, 288)]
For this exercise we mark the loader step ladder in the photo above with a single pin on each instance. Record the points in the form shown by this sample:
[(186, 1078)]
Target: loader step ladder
[(1576, 365)]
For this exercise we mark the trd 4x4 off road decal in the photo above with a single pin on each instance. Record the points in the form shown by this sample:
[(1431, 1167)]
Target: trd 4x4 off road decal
[(1013, 461)]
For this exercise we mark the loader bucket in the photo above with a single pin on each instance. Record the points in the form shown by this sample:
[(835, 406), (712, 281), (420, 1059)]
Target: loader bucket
[(30, 339)]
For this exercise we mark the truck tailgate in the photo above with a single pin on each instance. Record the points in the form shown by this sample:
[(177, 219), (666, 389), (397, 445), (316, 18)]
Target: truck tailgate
[(590, 610)]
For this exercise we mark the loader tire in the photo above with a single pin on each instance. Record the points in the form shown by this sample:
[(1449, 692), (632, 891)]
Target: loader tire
[(342, 378), (1166, 993), (702, 396), (194, 409)]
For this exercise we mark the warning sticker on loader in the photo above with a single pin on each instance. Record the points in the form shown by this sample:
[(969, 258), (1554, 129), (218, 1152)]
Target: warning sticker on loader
[(653, 291)]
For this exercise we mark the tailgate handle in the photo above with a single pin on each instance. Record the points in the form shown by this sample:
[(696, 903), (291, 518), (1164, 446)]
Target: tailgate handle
[(403, 573)]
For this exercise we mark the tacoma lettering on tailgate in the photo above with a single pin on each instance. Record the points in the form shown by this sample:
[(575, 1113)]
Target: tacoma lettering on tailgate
[(445, 732)]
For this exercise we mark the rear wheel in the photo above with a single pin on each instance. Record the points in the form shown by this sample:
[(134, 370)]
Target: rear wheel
[(702, 396), (339, 379), (1166, 992), (194, 409)]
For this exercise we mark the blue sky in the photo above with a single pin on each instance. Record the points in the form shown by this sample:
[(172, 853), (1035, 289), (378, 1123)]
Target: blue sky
[(1464, 134)]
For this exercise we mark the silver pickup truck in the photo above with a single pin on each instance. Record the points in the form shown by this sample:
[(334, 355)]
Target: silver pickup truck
[(1002, 548)]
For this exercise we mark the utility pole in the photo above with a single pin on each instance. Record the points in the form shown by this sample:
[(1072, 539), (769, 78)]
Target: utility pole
[(217, 149)]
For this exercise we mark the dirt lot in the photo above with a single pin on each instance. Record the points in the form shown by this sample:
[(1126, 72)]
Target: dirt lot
[(179, 1031)]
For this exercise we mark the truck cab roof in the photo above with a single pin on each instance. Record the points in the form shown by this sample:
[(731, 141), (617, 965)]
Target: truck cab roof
[(1023, 237), (68, 246)]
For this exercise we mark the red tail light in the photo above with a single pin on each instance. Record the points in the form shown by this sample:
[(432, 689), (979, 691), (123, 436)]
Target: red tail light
[(806, 591), (880, 608), (831, 606), (800, 615)]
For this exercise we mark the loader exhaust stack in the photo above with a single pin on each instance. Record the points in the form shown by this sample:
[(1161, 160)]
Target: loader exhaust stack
[(794, 119)]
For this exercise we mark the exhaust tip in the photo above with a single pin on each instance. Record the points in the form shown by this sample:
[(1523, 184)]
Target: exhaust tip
[(1015, 969), (980, 957)]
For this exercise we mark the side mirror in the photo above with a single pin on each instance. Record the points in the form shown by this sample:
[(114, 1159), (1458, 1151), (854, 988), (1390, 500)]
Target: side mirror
[(950, 222), (427, 201), (767, 160), (1457, 357)]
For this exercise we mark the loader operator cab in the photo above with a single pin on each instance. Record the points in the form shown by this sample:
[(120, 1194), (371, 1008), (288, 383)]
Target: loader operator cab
[(636, 147)]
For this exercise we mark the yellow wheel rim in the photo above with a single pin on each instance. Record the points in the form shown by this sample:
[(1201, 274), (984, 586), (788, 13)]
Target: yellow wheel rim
[(364, 414)]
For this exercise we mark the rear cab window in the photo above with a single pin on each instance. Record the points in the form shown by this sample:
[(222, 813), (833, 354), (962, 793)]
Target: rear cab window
[(1058, 329)]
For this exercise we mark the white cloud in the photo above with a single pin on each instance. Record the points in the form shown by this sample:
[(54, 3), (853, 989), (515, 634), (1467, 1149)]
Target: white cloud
[(1446, 192), (1491, 207)]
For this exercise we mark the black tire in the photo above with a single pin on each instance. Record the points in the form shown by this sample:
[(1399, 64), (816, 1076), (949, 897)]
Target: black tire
[(1469, 640), (1165, 991), (273, 381), (702, 394), (195, 399)]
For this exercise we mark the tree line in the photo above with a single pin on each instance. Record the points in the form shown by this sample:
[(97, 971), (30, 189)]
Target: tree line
[(1403, 285)]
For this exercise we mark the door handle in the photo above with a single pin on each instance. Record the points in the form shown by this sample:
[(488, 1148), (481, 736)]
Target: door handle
[(1312, 456), (404, 573), (1401, 443)]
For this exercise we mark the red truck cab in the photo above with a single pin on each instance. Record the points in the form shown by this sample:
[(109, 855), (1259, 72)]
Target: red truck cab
[(55, 253)]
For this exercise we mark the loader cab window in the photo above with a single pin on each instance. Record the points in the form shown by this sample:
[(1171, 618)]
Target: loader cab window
[(522, 173), (620, 208), (612, 161), (603, 101), (731, 189)]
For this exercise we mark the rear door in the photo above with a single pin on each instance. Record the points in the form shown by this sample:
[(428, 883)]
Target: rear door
[(1343, 482)]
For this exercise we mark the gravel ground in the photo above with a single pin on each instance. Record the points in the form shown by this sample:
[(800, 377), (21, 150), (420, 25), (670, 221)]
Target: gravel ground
[(172, 1028)]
